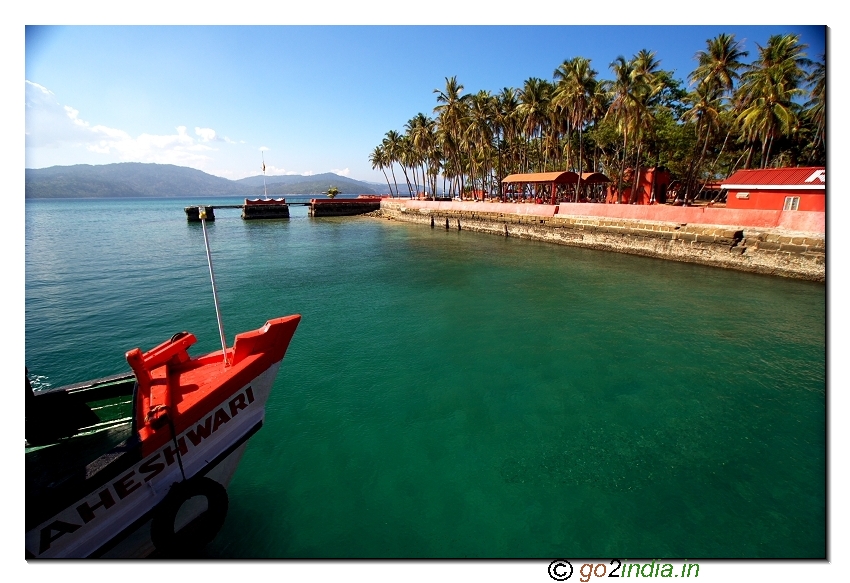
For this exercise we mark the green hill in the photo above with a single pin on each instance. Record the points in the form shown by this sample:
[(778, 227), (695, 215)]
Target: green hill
[(133, 179), (314, 184)]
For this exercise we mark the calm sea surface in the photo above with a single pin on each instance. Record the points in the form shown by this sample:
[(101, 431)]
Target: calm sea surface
[(454, 394)]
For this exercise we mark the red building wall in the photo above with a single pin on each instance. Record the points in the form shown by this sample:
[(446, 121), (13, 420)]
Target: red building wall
[(645, 185), (775, 199)]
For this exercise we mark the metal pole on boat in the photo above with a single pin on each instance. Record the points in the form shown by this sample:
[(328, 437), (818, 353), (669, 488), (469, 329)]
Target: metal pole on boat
[(202, 214)]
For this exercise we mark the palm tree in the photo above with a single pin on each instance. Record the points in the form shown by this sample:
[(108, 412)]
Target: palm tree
[(480, 132), (505, 124), (378, 159), (769, 89), (419, 132), (623, 105), (719, 64), (705, 115), (714, 78), (533, 109), (817, 101), (575, 91), (648, 82), (392, 147), (407, 159), (450, 114)]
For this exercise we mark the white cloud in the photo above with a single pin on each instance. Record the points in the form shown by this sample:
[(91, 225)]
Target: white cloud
[(275, 171), (206, 134), (343, 172), (263, 149), (50, 124), (210, 135)]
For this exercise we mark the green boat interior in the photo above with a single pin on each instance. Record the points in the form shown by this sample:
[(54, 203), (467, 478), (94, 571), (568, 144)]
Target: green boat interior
[(78, 437)]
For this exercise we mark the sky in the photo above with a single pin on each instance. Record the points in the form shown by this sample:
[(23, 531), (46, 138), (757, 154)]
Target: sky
[(304, 99)]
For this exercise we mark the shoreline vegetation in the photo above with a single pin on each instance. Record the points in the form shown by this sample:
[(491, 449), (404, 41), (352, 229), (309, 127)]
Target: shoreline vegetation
[(768, 112)]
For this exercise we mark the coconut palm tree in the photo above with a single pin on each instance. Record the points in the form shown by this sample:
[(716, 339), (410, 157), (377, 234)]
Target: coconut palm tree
[(714, 79), (378, 158), (817, 101), (407, 159), (480, 132), (419, 132), (533, 109), (624, 102), (769, 88), (505, 124), (704, 114), (451, 112), (392, 147), (648, 82), (575, 90), (719, 64)]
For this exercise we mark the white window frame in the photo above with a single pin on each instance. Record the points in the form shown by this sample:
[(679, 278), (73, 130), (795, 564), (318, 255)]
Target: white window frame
[(792, 203)]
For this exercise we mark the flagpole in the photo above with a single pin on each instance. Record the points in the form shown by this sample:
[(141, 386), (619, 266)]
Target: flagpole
[(265, 194)]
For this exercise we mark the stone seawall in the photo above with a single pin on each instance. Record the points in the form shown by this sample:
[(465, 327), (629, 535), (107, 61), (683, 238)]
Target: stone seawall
[(757, 250)]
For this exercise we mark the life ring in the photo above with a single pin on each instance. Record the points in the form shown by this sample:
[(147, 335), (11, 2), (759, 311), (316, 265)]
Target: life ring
[(201, 530)]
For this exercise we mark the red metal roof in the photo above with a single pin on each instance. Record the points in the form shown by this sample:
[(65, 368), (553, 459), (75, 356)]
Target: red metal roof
[(811, 176), (594, 177), (534, 177)]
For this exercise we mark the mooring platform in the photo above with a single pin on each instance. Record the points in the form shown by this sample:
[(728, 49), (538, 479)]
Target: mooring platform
[(278, 208)]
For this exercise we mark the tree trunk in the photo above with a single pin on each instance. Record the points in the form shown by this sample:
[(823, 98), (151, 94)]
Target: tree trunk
[(388, 181)]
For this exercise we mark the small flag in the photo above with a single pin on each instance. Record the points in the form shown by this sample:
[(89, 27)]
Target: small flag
[(264, 166)]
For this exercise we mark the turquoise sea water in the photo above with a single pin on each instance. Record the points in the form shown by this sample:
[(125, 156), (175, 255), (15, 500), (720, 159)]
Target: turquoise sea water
[(453, 394)]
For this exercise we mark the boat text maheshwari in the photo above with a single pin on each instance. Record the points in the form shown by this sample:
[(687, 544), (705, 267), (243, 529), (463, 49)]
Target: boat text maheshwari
[(138, 464)]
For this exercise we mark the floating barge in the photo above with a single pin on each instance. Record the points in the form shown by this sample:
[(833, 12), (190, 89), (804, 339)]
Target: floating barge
[(272, 208), (344, 207)]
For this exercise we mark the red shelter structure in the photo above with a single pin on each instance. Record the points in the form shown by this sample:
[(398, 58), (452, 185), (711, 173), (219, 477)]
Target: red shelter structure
[(652, 187), (790, 189), (554, 186)]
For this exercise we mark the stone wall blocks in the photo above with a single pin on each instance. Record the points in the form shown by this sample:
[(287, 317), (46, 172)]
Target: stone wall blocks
[(768, 245), (793, 248), (790, 255)]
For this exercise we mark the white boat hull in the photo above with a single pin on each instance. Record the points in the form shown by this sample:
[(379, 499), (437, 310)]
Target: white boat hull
[(115, 520)]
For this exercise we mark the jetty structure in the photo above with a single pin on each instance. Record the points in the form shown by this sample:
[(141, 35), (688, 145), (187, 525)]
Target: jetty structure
[(279, 208), (268, 208), (338, 207), (265, 208), (774, 222)]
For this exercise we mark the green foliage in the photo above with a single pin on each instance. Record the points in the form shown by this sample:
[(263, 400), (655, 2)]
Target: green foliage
[(731, 115)]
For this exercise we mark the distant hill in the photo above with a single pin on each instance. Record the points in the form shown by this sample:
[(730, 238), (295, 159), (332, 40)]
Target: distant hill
[(128, 179), (133, 179), (314, 184), (403, 190)]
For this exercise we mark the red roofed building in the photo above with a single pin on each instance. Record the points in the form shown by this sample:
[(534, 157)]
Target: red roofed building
[(789, 189)]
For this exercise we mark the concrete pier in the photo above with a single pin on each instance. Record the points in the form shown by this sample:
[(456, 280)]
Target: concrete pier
[(785, 243), (344, 207)]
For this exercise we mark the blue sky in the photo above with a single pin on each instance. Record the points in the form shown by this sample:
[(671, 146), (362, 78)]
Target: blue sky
[(319, 98)]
